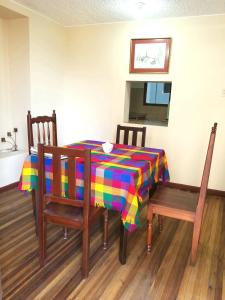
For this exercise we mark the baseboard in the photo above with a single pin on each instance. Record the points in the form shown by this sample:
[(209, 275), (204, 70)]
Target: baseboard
[(193, 188), (9, 186)]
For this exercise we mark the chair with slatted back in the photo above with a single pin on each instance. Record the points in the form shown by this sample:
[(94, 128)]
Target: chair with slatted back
[(68, 212), (46, 130), (124, 135), (127, 130), (182, 205), (41, 129)]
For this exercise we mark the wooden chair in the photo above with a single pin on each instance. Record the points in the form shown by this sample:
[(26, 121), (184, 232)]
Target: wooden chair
[(68, 212), (134, 131), (46, 129), (182, 205), (41, 129), (125, 140)]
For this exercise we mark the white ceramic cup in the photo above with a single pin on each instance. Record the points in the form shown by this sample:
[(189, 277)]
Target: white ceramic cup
[(107, 147)]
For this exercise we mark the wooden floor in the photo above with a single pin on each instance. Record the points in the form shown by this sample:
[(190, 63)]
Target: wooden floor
[(164, 274)]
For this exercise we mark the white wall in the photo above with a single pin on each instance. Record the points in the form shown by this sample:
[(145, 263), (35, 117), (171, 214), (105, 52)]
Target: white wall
[(15, 86), (98, 68), (19, 76), (82, 72), (5, 114), (45, 64), (32, 52)]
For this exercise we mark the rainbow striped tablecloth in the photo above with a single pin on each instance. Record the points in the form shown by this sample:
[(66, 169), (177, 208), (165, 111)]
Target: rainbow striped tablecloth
[(119, 180)]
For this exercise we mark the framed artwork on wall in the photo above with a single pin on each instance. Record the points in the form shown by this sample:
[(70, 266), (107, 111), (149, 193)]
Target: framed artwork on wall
[(150, 55)]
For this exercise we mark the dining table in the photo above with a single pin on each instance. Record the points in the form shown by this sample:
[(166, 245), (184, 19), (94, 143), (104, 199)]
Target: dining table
[(120, 180)]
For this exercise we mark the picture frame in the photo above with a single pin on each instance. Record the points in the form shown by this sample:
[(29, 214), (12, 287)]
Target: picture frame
[(150, 55)]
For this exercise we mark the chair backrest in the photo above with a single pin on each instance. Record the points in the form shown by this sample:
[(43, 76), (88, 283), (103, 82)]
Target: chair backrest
[(59, 154), (134, 131), (46, 130), (206, 172)]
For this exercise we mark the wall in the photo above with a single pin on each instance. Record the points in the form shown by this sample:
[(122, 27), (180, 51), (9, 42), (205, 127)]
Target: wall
[(32, 51), (45, 56), (14, 62), (5, 114), (97, 71), (47, 62), (89, 94), (19, 75)]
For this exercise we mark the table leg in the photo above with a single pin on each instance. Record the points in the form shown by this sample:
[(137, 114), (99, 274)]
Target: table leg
[(153, 189), (123, 244), (124, 233), (35, 209)]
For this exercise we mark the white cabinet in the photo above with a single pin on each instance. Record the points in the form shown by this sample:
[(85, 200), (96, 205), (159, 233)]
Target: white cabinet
[(11, 166)]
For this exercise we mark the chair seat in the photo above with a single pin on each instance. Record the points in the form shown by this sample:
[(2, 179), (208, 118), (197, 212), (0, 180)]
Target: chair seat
[(173, 198), (67, 212), (182, 205)]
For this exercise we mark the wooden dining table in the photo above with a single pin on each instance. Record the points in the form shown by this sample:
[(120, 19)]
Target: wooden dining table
[(120, 180)]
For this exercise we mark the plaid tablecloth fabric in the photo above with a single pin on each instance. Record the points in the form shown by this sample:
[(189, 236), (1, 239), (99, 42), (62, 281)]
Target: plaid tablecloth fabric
[(119, 180)]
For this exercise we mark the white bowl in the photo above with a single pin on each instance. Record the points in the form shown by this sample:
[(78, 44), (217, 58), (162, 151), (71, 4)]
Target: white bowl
[(107, 147)]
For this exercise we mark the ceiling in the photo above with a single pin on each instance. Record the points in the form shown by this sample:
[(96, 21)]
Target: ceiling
[(81, 12)]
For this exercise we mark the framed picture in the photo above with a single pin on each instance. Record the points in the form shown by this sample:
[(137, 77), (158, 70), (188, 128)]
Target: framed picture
[(150, 55)]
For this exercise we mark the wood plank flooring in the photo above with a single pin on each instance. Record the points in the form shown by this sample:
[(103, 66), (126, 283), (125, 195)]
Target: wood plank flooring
[(163, 274)]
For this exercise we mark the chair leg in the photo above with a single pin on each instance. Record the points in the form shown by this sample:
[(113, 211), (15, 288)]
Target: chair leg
[(33, 202), (35, 210), (160, 222), (42, 241), (85, 256), (106, 227), (153, 189), (149, 227), (195, 240)]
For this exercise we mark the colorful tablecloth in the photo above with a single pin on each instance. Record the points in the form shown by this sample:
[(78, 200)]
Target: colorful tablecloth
[(119, 180)]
